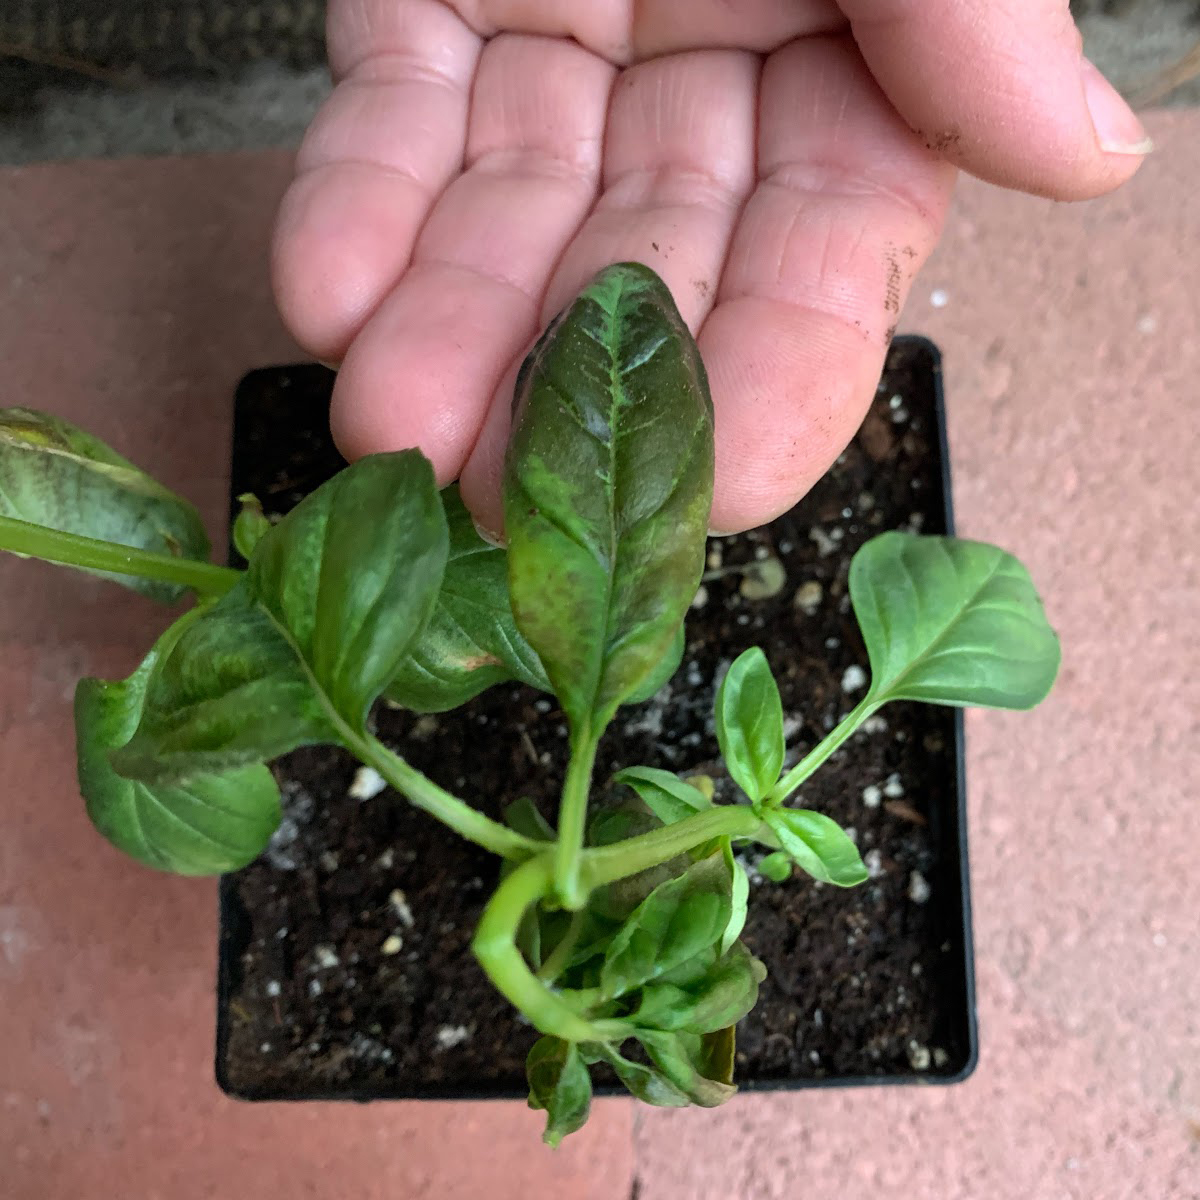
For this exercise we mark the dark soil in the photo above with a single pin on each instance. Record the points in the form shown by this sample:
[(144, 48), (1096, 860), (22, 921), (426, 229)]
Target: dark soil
[(347, 967)]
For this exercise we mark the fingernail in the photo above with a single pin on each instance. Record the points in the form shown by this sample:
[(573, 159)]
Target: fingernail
[(492, 539), (1117, 128)]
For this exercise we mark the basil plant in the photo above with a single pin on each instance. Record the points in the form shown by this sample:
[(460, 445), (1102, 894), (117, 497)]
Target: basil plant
[(622, 948)]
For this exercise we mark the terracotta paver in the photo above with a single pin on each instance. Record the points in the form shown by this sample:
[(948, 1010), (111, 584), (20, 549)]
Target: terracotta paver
[(133, 295), (1071, 337)]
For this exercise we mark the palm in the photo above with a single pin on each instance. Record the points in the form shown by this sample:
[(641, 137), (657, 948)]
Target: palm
[(457, 189)]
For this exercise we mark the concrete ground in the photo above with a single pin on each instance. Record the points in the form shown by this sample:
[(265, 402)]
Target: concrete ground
[(133, 294), (210, 77)]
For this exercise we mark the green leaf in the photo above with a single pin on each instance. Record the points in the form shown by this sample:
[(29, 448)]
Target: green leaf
[(678, 920), (560, 1085), (352, 575), (607, 491), (776, 867), (951, 622), (682, 1058), (750, 724), (643, 1082), (817, 845), (211, 824), (715, 1059), (249, 525), (294, 654), (739, 897), (666, 795), (231, 692), (56, 475), (471, 641), (663, 673), (720, 999), (523, 816)]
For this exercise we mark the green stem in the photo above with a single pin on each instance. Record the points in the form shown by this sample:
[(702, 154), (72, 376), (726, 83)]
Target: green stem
[(607, 864), (556, 961), (424, 794), (572, 820), (496, 949), (822, 751), (74, 550)]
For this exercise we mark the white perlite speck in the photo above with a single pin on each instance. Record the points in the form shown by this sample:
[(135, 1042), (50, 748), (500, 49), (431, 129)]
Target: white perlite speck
[(873, 861), (399, 902), (393, 945), (367, 784), (853, 678), (273, 988), (893, 789), (875, 724), (872, 796), (918, 1056), (449, 1036), (918, 888), (325, 957)]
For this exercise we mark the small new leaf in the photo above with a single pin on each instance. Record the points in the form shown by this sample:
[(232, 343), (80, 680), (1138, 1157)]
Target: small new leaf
[(60, 477), (607, 491), (817, 845), (249, 525), (949, 621), (560, 1085), (776, 867), (206, 826), (749, 717), (667, 796)]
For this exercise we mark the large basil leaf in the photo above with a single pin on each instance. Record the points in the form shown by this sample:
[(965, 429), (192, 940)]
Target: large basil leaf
[(607, 491), (817, 845), (720, 999), (208, 825), (684, 1059), (678, 921), (352, 574), (232, 691), (951, 622), (643, 1082), (471, 641), (56, 475), (297, 650), (749, 718), (558, 1083)]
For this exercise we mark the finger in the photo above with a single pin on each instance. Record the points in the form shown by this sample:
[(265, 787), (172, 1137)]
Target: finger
[(383, 147), (626, 32), (848, 206), (425, 366), (678, 163), (1003, 91)]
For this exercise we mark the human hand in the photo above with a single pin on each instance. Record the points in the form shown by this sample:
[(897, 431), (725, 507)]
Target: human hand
[(785, 166)]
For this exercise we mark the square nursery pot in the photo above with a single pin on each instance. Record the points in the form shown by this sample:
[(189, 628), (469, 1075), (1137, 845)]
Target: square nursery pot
[(345, 962)]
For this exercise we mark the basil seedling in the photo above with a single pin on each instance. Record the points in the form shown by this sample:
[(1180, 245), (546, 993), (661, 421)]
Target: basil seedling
[(616, 934)]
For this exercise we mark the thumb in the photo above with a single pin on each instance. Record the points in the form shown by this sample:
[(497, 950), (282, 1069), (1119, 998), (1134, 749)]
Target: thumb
[(1003, 91)]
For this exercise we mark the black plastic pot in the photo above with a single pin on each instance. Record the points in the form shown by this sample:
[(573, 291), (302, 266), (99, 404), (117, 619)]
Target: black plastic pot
[(315, 1002)]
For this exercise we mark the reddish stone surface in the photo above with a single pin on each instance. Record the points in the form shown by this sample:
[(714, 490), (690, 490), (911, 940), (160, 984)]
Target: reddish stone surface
[(133, 295), (1071, 337)]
